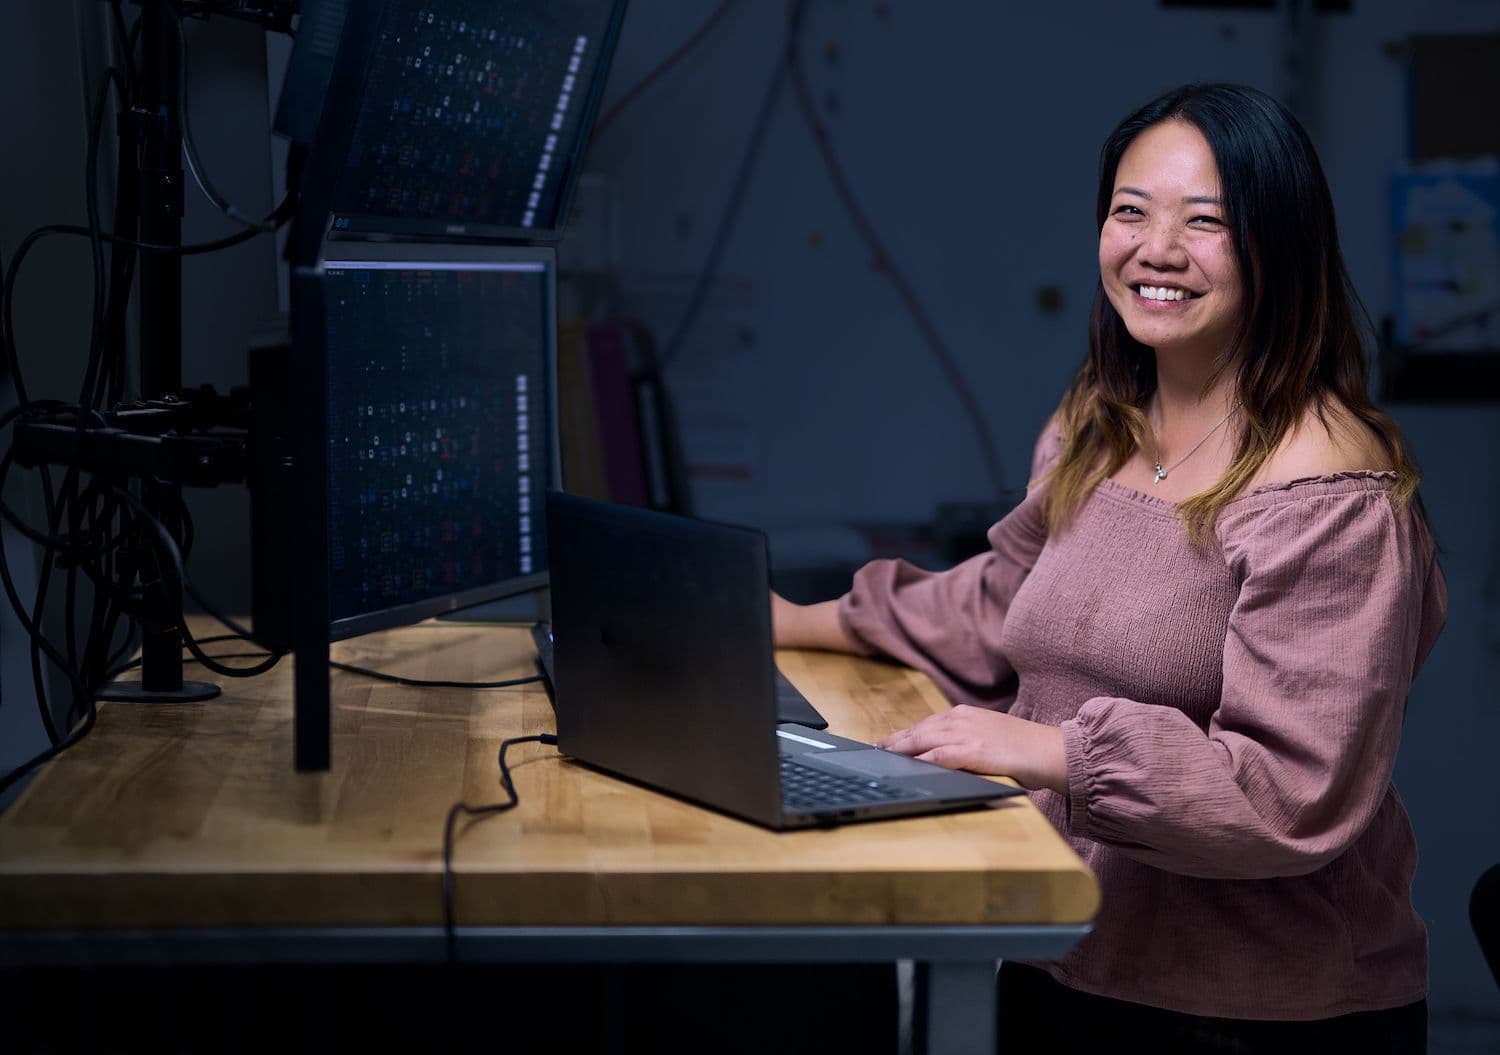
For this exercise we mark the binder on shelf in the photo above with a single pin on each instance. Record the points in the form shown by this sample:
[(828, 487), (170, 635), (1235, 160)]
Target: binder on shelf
[(618, 435), (612, 374), (578, 425), (661, 449)]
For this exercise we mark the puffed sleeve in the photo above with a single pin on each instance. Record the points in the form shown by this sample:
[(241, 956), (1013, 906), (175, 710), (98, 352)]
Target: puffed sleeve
[(948, 624), (1340, 600)]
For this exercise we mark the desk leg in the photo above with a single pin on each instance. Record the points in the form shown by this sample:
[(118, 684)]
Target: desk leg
[(955, 1008)]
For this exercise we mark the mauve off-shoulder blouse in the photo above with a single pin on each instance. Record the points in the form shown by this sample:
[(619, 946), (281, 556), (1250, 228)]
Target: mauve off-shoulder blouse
[(1230, 716)]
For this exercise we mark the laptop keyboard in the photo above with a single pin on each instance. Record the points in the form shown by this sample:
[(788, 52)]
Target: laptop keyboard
[(804, 788)]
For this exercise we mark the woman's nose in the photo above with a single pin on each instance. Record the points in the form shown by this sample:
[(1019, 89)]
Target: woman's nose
[(1162, 247)]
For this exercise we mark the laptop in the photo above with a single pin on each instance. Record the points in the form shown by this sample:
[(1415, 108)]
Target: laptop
[(664, 675)]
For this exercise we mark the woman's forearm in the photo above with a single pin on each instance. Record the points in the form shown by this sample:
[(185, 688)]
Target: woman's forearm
[(809, 626)]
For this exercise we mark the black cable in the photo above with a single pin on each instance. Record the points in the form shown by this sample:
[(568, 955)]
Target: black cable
[(420, 683), (111, 77), (262, 654), (30, 620), (70, 592), (66, 498), (189, 147), (82, 693), (79, 519), (107, 615), (217, 639), (192, 659), (189, 530), (127, 40), (208, 661), (731, 212), (268, 660), (461, 808), (53, 751), (7, 297)]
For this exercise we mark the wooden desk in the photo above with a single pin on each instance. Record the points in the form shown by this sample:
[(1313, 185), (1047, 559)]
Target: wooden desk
[(180, 831)]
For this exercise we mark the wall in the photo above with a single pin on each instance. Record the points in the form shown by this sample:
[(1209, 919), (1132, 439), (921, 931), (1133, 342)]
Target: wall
[(969, 133)]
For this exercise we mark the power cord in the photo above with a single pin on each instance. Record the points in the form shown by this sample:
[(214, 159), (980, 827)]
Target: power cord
[(461, 809), (241, 633), (195, 164), (420, 683)]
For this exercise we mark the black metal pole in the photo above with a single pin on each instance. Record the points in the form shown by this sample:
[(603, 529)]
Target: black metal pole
[(161, 312), (160, 204), (160, 207), (312, 733)]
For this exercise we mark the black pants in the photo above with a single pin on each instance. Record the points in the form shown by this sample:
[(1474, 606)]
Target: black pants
[(1038, 1014)]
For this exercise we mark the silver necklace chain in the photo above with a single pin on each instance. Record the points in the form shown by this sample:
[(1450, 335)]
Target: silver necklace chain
[(1161, 474)]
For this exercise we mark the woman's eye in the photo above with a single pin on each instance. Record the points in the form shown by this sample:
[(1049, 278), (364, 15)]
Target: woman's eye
[(1210, 220), (1127, 211)]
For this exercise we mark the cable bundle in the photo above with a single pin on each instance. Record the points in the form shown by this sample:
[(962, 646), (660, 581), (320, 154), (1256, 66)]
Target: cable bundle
[(100, 544)]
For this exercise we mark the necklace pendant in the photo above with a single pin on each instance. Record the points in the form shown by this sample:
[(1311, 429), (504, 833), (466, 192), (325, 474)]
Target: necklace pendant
[(1161, 474)]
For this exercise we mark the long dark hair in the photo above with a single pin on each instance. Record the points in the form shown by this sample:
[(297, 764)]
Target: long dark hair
[(1300, 341)]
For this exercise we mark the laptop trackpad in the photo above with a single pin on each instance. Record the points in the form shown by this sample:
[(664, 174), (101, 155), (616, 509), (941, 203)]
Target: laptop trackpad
[(877, 763)]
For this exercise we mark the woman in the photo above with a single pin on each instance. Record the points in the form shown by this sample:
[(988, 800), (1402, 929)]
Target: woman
[(1193, 640)]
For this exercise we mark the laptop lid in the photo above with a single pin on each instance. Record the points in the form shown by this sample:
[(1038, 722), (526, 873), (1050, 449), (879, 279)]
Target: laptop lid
[(651, 629)]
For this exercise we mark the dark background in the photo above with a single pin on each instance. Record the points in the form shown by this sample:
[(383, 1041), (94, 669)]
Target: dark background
[(811, 405)]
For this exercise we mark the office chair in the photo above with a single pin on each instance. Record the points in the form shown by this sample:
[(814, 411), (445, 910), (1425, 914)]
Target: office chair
[(1484, 916)]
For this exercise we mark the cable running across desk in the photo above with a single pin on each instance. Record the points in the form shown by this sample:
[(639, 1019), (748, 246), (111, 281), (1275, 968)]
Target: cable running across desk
[(460, 808)]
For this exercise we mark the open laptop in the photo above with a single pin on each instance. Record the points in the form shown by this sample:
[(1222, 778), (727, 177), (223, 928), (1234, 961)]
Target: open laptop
[(664, 675)]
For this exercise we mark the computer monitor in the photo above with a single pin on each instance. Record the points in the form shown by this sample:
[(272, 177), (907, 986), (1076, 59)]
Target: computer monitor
[(473, 117), (445, 128), (441, 437)]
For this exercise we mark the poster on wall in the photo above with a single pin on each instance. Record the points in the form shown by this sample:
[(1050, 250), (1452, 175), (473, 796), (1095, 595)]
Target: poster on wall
[(1444, 341)]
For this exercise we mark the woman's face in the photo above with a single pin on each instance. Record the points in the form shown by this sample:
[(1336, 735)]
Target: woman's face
[(1166, 253)]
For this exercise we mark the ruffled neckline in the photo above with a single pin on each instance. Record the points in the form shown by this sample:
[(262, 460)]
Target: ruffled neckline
[(1346, 481)]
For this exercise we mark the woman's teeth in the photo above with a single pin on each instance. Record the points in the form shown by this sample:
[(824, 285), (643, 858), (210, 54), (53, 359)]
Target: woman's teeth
[(1164, 293)]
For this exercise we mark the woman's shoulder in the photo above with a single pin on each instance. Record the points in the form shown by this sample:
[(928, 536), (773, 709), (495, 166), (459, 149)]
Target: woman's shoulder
[(1328, 441), (1325, 499)]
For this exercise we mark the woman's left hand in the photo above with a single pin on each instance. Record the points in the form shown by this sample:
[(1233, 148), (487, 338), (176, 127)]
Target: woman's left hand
[(985, 741)]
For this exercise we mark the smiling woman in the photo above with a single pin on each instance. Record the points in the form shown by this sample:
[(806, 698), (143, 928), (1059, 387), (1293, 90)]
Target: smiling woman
[(1193, 640)]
